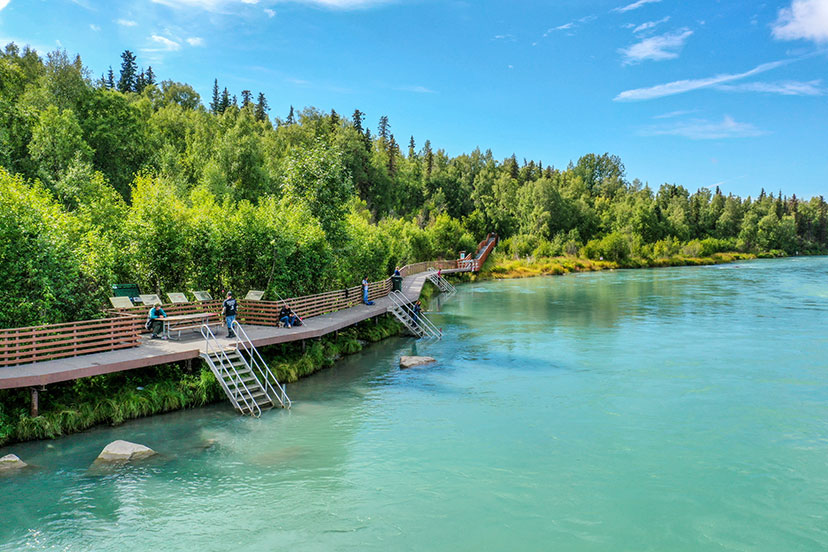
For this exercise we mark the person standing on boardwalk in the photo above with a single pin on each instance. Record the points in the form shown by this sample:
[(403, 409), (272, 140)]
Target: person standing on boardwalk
[(229, 309), (154, 321), (397, 271), (365, 292)]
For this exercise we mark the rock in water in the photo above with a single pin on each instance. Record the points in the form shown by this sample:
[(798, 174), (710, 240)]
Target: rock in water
[(11, 462), (123, 451), (410, 361)]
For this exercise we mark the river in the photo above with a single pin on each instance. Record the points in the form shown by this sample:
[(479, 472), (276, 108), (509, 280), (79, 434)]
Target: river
[(668, 409)]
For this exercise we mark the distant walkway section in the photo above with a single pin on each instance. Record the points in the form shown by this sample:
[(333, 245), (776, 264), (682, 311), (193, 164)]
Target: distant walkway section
[(48, 354)]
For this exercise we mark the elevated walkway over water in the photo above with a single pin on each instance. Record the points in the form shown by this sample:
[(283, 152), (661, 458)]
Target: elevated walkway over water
[(153, 352)]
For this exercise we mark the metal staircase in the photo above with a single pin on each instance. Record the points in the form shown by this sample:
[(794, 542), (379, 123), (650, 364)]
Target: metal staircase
[(418, 324), (242, 373), (442, 284)]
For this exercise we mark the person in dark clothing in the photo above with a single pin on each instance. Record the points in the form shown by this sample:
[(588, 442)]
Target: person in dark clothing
[(154, 321), (397, 272), (229, 309), (416, 310), (288, 317)]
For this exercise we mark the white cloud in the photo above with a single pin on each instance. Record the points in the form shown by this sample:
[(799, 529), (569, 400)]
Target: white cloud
[(674, 114), (649, 25), (195, 41), (657, 48), (785, 88), (94, 27), (269, 12), (416, 89), (226, 6), (3, 4), (634, 5), (806, 19), (126, 23), (702, 129), (682, 86), (165, 44)]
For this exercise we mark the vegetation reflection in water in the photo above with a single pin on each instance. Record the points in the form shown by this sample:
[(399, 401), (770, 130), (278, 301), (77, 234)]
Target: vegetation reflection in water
[(670, 409)]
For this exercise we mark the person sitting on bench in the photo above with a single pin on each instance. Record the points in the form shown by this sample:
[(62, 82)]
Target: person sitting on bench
[(154, 322)]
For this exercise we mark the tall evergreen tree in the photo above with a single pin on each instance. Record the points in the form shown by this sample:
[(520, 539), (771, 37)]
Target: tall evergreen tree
[(429, 158), (140, 81), (358, 116), (247, 98), (110, 79), (215, 103), (392, 156), (384, 127), (334, 120), (412, 148), (290, 118), (225, 101), (149, 76), (261, 107), (129, 72)]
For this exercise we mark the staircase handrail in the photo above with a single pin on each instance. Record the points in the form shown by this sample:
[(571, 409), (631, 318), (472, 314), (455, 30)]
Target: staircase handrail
[(212, 345), (243, 340), (420, 319)]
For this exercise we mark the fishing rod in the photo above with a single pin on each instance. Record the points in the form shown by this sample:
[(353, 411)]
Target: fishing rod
[(285, 303)]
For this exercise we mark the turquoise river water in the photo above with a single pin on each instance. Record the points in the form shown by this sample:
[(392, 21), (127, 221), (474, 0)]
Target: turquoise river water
[(671, 409)]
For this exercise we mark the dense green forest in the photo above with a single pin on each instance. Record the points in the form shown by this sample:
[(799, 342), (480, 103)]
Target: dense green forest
[(123, 178)]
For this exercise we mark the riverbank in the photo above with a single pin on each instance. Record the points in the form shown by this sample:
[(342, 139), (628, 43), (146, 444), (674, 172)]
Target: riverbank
[(502, 267), (75, 406)]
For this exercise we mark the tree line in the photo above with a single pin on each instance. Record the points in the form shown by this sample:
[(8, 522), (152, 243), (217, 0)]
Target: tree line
[(136, 180)]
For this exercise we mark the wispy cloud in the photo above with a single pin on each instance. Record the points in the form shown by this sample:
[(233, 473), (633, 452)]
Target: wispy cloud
[(784, 88), (164, 44), (269, 12), (805, 19), (657, 48), (227, 6), (634, 5), (416, 89), (506, 37), (3, 4), (702, 129), (688, 85), (646, 26), (195, 41), (91, 26), (571, 24), (674, 114), (126, 22)]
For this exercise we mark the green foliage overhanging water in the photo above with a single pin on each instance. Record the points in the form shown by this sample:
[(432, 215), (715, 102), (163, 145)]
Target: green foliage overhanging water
[(128, 179)]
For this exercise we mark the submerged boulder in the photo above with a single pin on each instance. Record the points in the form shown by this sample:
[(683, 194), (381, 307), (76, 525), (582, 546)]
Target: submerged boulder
[(124, 451), (411, 361), (11, 462)]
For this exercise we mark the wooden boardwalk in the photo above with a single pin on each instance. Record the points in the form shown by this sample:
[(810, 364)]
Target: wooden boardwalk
[(156, 352)]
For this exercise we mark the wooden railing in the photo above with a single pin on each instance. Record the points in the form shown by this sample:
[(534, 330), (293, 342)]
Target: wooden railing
[(122, 329), (39, 343)]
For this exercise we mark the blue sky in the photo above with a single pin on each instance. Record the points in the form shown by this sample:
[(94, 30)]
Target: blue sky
[(702, 93)]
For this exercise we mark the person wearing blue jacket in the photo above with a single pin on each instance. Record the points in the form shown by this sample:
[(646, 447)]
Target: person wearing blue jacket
[(154, 322)]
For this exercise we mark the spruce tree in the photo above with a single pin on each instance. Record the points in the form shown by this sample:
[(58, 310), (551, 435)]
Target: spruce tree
[(358, 116), (429, 158), (110, 79), (412, 148), (215, 104), (129, 70), (261, 108), (247, 98), (290, 118), (334, 120), (384, 127), (392, 156), (140, 82), (225, 101), (149, 76)]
